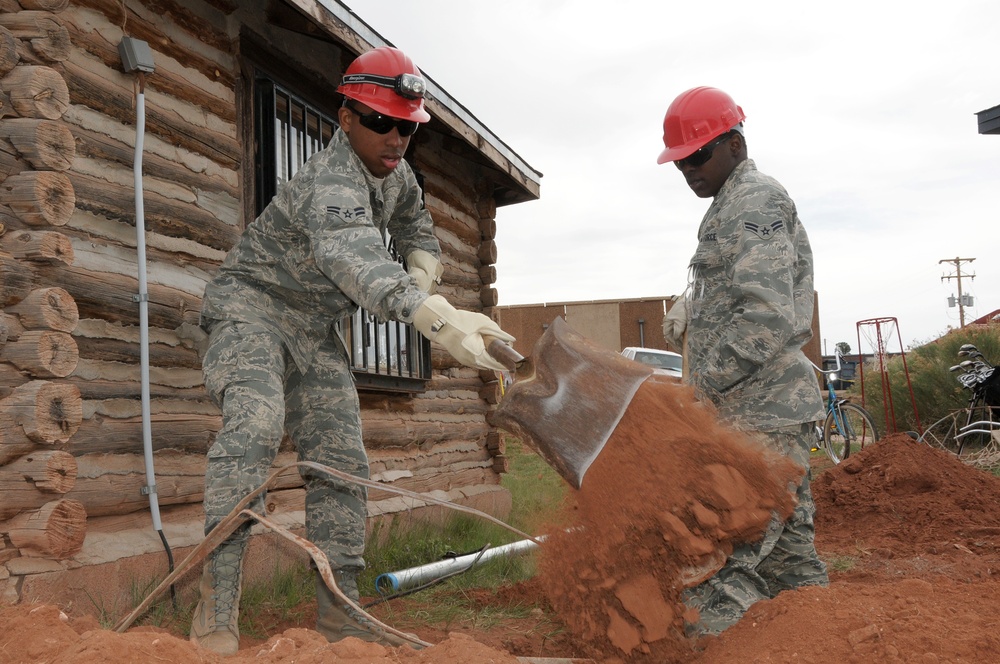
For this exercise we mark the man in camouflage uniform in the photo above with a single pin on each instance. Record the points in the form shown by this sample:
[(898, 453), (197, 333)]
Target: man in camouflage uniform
[(276, 363), (747, 312)]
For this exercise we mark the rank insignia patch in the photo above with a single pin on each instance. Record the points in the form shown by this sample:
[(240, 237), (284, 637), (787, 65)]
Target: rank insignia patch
[(764, 231), (346, 213)]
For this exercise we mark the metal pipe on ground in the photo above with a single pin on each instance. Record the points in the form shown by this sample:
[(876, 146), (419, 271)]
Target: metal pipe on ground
[(394, 582)]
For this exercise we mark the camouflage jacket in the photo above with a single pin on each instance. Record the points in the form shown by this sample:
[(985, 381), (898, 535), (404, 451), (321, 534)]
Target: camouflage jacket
[(750, 306), (317, 252)]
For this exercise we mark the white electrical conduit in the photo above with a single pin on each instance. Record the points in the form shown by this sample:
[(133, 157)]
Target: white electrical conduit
[(143, 299), (416, 576)]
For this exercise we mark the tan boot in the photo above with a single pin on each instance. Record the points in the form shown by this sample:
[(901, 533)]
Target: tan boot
[(214, 625), (337, 620)]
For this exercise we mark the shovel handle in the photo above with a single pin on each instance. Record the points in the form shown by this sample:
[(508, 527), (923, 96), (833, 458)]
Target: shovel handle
[(502, 353)]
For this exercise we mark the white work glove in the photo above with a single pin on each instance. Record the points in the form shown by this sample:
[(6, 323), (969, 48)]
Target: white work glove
[(674, 324), (460, 332), (425, 268)]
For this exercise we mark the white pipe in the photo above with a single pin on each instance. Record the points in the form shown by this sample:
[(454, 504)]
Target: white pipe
[(415, 576), (143, 297)]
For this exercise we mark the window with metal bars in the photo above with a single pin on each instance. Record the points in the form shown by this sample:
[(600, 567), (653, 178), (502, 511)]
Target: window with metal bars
[(389, 355)]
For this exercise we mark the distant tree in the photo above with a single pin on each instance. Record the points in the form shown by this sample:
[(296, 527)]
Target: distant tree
[(844, 347)]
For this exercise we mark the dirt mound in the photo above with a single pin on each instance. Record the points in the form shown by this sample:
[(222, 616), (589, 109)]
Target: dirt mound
[(913, 497), (659, 510), (33, 634), (911, 537)]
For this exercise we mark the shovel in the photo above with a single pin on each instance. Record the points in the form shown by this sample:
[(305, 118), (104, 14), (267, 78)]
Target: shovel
[(567, 398)]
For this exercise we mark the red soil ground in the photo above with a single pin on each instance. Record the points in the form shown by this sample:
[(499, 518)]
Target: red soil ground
[(910, 534)]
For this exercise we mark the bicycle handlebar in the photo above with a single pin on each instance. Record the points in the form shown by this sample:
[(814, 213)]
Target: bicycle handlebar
[(827, 372)]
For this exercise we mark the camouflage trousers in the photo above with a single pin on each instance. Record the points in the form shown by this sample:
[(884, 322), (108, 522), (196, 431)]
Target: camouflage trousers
[(251, 376), (785, 558)]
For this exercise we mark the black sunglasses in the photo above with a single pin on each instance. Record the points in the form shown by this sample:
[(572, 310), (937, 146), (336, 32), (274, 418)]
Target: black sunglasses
[(383, 124), (701, 157)]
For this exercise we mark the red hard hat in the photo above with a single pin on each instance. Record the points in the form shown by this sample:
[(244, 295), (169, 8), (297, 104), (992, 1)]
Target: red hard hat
[(386, 80), (696, 117)]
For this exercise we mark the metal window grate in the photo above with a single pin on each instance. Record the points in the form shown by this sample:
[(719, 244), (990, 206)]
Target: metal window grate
[(384, 355)]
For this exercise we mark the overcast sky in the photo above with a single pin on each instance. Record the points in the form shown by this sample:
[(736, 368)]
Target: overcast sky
[(865, 111)]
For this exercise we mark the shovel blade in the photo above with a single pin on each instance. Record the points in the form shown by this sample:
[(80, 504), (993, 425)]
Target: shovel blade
[(568, 398)]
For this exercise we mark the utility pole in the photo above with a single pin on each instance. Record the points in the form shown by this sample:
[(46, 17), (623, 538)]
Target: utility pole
[(957, 262)]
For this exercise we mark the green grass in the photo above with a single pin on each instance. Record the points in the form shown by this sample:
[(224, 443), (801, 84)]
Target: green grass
[(537, 491), (842, 563)]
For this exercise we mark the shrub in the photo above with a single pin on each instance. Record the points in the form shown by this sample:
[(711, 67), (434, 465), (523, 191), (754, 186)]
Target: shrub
[(936, 392)]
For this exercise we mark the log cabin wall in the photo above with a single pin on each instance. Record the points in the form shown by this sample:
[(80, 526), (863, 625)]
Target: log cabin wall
[(71, 460)]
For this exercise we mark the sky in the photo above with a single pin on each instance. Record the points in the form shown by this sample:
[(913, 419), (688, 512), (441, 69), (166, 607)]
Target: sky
[(864, 111)]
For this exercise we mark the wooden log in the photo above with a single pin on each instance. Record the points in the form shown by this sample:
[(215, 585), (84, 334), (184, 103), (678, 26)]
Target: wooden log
[(108, 296), (54, 531), (44, 32), (488, 274), (488, 228), (46, 144), (48, 413), (10, 328), (160, 355), (191, 433), (36, 92), (444, 480), (14, 444), (39, 198), (106, 95), (99, 389), (98, 146), (461, 279), (501, 464), (488, 252), (458, 222), (49, 309), (496, 443), (173, 81), (30, 481), (16, 280), (489, 296), (8, 51), (396, 432), (487, 209), (163, 215), (6, 107), (38, 246), (109, 484), (43, 353), (10, 160), (168, 44), (54, 6)]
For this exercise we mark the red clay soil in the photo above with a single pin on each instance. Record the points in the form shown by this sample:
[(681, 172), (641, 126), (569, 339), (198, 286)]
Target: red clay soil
[(910, 534)]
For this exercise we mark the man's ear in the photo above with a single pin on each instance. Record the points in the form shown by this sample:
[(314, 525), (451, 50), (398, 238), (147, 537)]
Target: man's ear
[(344, 115)]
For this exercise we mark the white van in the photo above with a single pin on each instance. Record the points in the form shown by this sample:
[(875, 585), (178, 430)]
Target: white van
[(662, 360)]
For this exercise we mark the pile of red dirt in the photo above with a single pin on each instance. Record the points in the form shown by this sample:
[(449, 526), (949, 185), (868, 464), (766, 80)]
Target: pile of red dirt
[(659, 510), (910, 534)]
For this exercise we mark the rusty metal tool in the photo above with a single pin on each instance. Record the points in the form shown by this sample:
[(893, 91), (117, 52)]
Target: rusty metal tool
[(567, 398)]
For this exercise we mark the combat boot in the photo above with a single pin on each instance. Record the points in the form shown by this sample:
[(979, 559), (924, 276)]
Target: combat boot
[(214, 625), (337, 620)]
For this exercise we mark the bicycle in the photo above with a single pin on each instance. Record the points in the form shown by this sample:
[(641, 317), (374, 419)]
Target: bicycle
[(848, 428), (972, 433)]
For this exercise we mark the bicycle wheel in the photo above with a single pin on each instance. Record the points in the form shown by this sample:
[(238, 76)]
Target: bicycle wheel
[(942, 433), (971, 434), (847, 430), (976, 436)]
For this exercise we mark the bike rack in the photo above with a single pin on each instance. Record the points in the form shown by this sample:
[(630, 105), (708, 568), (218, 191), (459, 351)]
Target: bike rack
[(881, 359)]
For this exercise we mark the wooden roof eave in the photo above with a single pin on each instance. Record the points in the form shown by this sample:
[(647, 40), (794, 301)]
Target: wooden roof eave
[(338, 21)]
